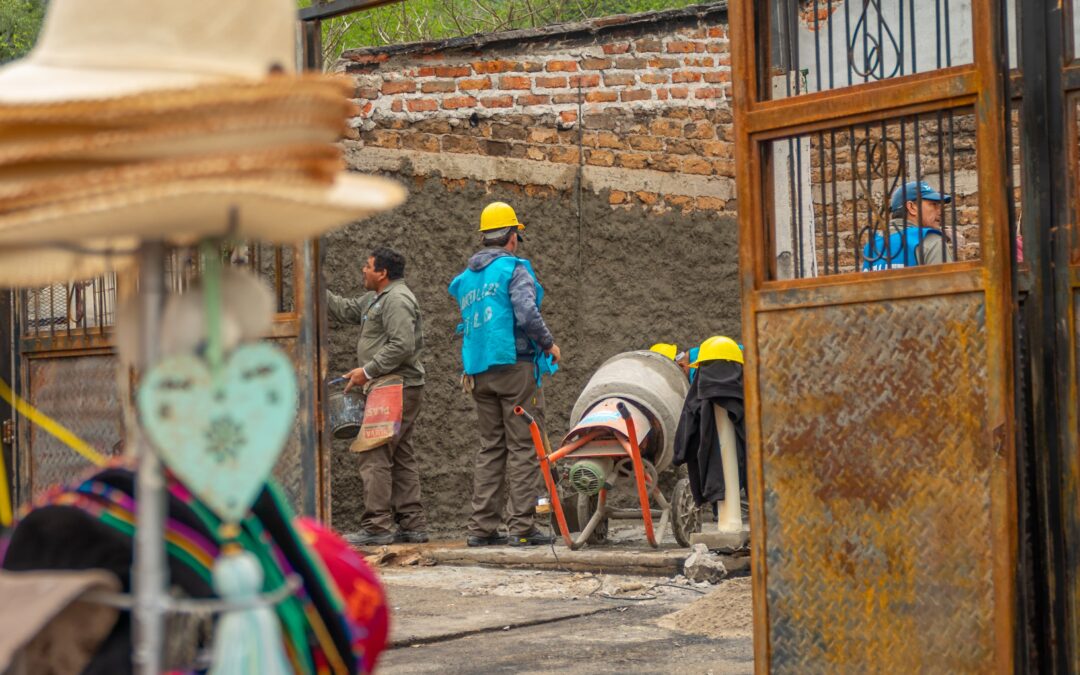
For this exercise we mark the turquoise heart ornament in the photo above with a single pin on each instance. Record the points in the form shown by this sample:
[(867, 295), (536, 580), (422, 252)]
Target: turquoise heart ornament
[(221, 434)]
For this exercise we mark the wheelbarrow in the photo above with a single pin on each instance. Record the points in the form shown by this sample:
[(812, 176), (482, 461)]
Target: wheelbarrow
[(624, 432)]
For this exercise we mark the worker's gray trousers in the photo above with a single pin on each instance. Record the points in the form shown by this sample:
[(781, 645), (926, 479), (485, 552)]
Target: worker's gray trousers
[(506, 450)]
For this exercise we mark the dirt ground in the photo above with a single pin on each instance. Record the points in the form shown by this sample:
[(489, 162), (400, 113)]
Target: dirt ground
[(615, 280), (482, 620)]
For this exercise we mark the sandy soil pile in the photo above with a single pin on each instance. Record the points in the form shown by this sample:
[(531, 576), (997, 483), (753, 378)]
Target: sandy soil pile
[(726, 613)]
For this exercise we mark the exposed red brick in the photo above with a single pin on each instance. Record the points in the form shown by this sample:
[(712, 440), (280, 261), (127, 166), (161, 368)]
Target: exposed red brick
[(697, 166), (585, 81), (595, 64), (665, 162), (568, 116), (685, 76), (716, 76), (619, 79), (696, 34), (699, 62), (562, 99), (424, 142), (631, 63), (646, 143), (646, 45), (368, 93), (474, 84), (562, 66), (495, 66), (366, 110), (715, 48), (711, 203), (370, 58), (679, 92), (509, 132), (718, 32), (606, 139), (682, 202), (664, 62), (532, 67), (653, 78), (678, 146), (700, 131), (381, 138), (661, 94), (684, 47), (601, 97), (535, 153), (426, 71), (666, 127), (533, 99), (564, 154), (398, 105), (455, 102), (635, 95), (453, 71), (422, 105), (632, 160), (618, 197), (399, 87), (725, 167), (543, 135), (647, 198), (617, 48), (550, 82), (709, 92), (716, 149), (600, 158), (514, 82), (465, 144), (497, 102), (438, 87)]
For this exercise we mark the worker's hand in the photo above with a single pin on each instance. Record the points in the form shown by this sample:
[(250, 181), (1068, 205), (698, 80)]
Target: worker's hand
[(357, 378), (554, 352)]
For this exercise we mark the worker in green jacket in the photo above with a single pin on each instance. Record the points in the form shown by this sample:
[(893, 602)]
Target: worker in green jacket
[(391, 342)]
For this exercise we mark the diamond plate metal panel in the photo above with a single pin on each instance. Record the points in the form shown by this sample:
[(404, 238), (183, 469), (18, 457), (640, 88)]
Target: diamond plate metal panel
[(876, 465), (81, 394)]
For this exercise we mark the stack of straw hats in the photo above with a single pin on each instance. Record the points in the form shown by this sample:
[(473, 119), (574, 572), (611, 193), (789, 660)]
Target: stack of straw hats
[(155, 119)]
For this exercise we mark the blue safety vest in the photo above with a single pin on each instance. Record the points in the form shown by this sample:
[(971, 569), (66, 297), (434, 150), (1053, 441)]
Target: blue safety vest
[(487, 317), (901, 250)]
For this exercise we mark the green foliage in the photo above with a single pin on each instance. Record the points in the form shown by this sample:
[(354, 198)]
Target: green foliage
[(418, 20), (20, 21)]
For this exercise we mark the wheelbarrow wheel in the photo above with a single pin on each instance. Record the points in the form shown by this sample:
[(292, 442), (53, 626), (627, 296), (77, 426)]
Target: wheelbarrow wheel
[(685, 514)]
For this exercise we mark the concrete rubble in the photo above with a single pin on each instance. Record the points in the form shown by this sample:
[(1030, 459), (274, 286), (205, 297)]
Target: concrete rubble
[(704, 566)]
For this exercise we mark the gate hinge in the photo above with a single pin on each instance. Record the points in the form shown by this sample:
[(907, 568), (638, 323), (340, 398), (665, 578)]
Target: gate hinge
[(7, 432)]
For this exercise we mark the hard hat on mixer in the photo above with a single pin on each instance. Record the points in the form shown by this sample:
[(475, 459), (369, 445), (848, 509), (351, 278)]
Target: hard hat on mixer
[(665, 349)]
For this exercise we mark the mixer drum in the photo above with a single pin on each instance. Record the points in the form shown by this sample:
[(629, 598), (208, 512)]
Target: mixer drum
[(650, 380)]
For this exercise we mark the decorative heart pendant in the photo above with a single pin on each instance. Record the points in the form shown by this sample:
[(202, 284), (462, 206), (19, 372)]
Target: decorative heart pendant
[(222, 436)]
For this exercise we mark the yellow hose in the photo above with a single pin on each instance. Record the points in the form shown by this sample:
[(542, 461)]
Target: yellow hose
[(52, 427)]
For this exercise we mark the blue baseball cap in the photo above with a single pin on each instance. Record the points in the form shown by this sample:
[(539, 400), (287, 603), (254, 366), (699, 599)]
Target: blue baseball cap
[(911, 193)]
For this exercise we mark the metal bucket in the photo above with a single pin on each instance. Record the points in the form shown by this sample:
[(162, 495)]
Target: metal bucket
[(344, 412)]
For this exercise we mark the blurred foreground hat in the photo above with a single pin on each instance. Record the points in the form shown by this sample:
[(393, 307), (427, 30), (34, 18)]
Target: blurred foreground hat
[(177, 120)]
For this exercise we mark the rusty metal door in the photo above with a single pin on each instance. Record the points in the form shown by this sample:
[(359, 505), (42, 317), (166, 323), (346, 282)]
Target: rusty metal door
[(67, 367), (880, 371)]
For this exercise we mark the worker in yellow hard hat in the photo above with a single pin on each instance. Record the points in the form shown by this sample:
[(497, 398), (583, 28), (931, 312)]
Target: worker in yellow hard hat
[(718, 347), (665, 349), (506, 350)]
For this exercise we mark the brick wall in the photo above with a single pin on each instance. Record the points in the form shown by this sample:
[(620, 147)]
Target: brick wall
[(641, 103)]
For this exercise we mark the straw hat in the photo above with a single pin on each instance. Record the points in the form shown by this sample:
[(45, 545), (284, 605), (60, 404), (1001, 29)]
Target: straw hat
[(175, 120)]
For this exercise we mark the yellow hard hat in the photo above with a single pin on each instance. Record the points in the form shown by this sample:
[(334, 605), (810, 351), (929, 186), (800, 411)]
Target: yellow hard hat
[(498, 215), (718, 347), (665, 349)]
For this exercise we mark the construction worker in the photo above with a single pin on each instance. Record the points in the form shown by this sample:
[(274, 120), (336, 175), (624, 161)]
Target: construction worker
[(391, 341), (915, 236), (506, 350)]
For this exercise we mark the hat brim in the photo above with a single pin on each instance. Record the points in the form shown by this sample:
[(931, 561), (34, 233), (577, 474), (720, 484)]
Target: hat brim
[(184, 211), (22, 266), (28, 82)]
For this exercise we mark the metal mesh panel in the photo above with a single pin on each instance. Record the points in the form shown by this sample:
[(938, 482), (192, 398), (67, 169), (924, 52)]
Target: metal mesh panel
[(876, 458), (80, 393), (289, 470)]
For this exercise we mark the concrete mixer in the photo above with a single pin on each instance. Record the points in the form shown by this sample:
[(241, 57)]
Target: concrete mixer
[(622, 428)]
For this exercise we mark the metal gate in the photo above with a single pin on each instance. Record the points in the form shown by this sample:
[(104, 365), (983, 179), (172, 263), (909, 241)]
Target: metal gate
[(67, 367), (880, 378)]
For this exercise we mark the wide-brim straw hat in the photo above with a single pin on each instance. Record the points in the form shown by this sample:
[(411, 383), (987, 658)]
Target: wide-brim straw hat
[(110, 68)]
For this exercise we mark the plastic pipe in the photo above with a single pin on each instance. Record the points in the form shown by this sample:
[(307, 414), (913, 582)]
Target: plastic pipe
[(729, 513)]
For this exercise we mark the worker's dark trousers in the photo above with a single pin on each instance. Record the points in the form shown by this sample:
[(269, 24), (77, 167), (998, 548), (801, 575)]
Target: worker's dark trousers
[(390, 475), (506, 450)]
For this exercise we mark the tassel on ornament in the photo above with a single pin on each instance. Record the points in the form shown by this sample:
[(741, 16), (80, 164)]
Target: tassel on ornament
[(247, 641)]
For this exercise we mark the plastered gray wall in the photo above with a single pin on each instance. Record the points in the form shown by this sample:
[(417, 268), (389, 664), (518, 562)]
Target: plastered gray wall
[(616, 280)]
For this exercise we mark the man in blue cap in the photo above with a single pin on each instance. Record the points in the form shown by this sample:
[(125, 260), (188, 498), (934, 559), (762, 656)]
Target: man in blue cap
[(914, 236)]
